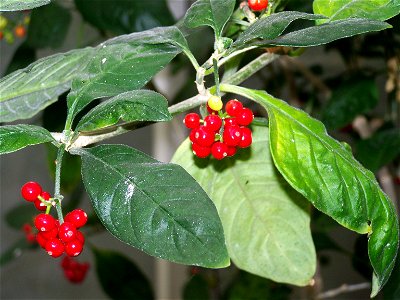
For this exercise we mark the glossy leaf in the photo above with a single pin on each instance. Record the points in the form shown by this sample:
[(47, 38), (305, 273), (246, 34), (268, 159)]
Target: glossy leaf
[(48, 26), (153, 206), (120, 278), (16, 137), (13, 5), (270, 27), (326, 33), (392, 288), (141, 105), (213, 13), (266, 222), (125, 16), (344, 9), (27, 91), (326, 173), (352, 98), (123, 64), (379, 150)]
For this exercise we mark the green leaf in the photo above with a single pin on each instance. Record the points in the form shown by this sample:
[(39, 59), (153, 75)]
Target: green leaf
[(141, 105), (326, 173), (120, 278), (326, 33), (196, 289), (124, 64), (13, 5), (392, 288), (379, 150), (48, 26), (266, 222), (16, 137), (352, 98), (270, 27), (20, 215), (26, 92), (343, 9), (213, 13), (153, 206), (125, 16)]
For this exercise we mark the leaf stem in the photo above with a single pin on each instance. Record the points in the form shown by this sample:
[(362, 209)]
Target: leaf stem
[(57, 185), (191, 57)]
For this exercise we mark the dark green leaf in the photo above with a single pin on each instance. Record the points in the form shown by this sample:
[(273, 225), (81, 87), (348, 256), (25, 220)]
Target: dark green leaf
[(213, 13), (13, 5), (153, 206), (196, 289), (23, 57), (391, 290), (125, 16), (266, 223), (270, 27), (326, 33), (343, 9), (48, 26), (379, 150), (326, 173), (141, 105), (349, 100), (20, 215), (26, 92), (123, 64), (120, 278), (16, 250), (16, 137)]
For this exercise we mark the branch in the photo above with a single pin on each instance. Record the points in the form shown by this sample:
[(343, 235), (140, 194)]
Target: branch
[(344, 288)]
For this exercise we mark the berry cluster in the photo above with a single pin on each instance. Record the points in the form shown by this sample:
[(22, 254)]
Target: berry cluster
[(52, 236), (9, 28), (74, 271), (220, 134)]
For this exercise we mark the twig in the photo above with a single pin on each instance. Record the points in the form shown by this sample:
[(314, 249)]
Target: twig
[(344, 288)]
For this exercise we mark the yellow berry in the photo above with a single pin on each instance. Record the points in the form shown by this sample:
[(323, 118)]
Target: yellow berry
[(215, 103), (3, 22)]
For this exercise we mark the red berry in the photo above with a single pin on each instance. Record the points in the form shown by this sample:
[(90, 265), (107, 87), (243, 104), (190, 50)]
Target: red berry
[(210, 110), (41, 239), (203, 137), (20, 31), (54, 247), (39, 204), (219, 150), (233, 107), (212, 123), (1, 35), (67, 232), (73, 248), (231, 150), (192, 120), (246, 139), (78, 217), (230, 121), (31, 190), (232, 135), (74, 271), (201, 151), (45, 222), (245, 117), (80, 237), (257, 5)]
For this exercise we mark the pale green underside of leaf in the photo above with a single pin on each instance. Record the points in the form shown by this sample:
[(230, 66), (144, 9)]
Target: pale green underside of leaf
[(16, 137), (141, 105), (213, 13), (27, 91), (123, 64), (370, 9), (156, 207), (326, 173), (13, 5), (266, 222)]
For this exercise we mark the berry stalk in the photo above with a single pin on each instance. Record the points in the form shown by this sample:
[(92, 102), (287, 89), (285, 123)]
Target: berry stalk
[(57, 185)]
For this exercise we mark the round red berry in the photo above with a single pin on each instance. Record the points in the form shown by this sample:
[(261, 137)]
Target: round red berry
[(80, 237), (45, 222), (230, 122), (212, 123), (20, 31), (50, 234), (39, 204), (246, 139), (67, 232), (31, 190), (203, 137), (231, 150), (54, 247), (41, 239), (201, 151), (257, 5), (192, 120), (73, 248), (232, 135), (78, 217), (219, 150), (233, 107), (245, 117)]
